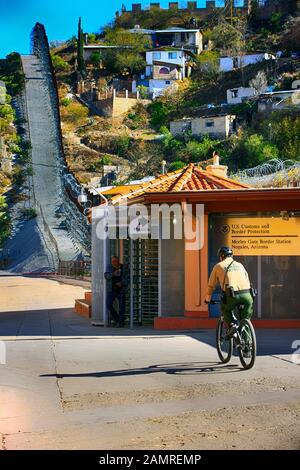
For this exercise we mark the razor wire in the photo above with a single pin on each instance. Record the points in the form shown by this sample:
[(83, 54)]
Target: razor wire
[(274, 173)]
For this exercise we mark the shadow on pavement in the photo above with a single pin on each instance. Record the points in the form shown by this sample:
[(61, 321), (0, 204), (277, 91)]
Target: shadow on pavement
[(63, 322), (189, 368)]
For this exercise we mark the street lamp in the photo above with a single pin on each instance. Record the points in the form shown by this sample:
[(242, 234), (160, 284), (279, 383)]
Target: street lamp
[(82, 198)]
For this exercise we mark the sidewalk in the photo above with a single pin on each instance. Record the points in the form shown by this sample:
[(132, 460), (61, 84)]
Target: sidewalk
[(69, 385)]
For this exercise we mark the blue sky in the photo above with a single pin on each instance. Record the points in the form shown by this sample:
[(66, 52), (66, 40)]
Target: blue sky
[(60, 17)]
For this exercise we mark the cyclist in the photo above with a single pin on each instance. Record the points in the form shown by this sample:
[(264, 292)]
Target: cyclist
[(236, 288)]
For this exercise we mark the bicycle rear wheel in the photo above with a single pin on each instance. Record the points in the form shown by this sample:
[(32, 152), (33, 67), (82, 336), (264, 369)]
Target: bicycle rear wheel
[(224, 346), (247, 349)]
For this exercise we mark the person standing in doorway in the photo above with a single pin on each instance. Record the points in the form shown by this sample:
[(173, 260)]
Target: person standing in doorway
[(116, 276)]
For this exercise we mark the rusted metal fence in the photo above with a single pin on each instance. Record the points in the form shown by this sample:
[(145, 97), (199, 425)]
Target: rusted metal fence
[(80, 269)]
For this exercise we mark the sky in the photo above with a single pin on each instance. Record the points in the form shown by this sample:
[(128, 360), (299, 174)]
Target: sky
[(60, 18)]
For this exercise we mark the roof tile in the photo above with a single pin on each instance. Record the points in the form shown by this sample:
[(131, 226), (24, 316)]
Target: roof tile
[(190, 178)]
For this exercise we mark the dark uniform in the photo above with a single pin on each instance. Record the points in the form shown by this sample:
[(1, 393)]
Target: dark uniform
[(117, 293)]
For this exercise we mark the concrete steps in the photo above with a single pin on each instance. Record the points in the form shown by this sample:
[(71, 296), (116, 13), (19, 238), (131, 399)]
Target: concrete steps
[(84, 306)]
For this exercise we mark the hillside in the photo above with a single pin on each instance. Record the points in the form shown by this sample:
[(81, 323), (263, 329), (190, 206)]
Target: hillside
[(137, 142)]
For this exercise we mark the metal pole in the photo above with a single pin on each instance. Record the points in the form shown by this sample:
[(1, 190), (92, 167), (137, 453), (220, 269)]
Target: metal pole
[(259, 278), (131, 284)]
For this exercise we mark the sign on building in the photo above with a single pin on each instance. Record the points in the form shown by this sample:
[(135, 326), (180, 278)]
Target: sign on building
[(265, 236)]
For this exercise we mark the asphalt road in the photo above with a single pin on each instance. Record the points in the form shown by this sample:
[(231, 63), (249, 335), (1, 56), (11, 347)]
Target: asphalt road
[(69, 385)]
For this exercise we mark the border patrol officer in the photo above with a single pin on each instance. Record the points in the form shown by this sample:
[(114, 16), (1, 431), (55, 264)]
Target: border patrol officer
[(236, 288)]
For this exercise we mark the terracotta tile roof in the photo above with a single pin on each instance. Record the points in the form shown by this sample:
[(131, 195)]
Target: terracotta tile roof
[(190, 178)]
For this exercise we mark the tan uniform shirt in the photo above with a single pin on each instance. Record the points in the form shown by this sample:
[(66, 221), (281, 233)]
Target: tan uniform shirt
[(236, 276)]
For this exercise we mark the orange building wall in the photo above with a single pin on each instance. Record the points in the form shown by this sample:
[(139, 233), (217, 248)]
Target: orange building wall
[(196, 275)]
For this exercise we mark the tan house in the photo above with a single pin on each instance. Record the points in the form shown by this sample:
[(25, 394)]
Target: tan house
[(218, 126)]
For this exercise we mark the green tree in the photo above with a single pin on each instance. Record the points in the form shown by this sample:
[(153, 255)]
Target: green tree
[(228, 39), (127, 58), (196, 151), (95, 59), (80, 43), (176, 165), (285, 132), (159, 113), (4, 221), (92, 38), (125, 63), (208, 65), (247, 151), (59, 64)]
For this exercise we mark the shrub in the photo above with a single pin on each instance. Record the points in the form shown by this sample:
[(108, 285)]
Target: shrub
[(159, 113), (176, 165), (29, 213), (122, 145), (59, 64), (75, 113), (65, 101), (4, 221), (196, 151), (95, 59)]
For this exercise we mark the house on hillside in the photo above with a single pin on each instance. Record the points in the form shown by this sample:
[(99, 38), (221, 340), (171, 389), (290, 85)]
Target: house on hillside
[(230, 63), (284, 99), (238, 95), (189, 39), (219, 125), (164, 67)]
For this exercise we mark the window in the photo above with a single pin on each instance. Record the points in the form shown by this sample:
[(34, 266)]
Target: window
[(156, 55), (234, 93), (209, 123), (172, 55), (168, 82), (164, 70), (275, 277), (235, 62)]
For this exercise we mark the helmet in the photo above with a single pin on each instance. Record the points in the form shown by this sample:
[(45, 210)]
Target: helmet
[(225, 252)]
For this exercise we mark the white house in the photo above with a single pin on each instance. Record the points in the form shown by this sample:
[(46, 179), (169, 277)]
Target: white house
[(238, 95), (229, 63), (219, 126), (164, 67), (191, 39)]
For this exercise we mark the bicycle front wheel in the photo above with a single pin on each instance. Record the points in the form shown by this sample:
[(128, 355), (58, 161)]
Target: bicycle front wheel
[(247, 349), (224, 346)]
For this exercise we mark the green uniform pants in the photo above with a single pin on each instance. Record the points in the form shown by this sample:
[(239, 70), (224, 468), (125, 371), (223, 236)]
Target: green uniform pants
[(231, 302)]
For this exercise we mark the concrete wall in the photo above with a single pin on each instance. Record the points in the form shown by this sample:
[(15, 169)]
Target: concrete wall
[(242, 93), (221, 128), (158, 86), (227, 64), (180, 126), (122, 105), (164, 57)]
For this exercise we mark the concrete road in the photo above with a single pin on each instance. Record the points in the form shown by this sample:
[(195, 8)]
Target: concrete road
[(68, 385)]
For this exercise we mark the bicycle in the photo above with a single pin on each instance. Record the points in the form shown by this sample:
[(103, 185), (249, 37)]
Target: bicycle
[(244, 340)]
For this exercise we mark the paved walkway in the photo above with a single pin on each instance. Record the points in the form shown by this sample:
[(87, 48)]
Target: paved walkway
[(69, 385)]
